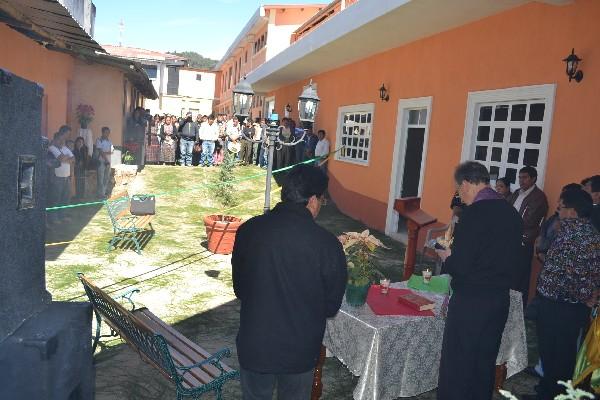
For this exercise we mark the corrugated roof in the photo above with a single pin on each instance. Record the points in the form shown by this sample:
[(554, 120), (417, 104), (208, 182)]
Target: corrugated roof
[(46, 21), (49, 23), (134, 53)]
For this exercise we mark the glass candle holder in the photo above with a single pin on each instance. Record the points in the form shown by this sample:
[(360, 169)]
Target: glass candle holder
[(427, 276), (384, 285)]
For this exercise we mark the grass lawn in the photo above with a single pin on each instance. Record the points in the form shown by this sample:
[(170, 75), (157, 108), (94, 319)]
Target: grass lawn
[(180, 281)]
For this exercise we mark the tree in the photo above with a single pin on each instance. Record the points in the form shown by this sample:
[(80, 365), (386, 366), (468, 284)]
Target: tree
[(196, 60)]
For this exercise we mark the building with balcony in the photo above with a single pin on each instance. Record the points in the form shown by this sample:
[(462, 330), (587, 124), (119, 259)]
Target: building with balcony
[(265, 35), (465, 80)]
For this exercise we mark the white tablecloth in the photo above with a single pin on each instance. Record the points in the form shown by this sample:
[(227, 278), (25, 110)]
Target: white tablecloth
[(399, 356)]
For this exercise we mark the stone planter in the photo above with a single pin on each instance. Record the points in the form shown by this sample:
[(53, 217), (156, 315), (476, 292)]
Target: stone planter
[(220, 232), (356, 296)]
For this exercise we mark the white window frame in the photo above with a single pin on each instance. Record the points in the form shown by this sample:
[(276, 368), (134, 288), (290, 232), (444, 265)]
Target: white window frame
[(404, 106), (366, 107), (545, 92)]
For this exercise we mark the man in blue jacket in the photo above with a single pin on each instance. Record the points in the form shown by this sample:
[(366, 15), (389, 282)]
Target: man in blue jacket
[(287, 290)]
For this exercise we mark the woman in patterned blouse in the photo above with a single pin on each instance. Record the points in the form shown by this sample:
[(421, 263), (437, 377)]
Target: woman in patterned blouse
[(567, 286)]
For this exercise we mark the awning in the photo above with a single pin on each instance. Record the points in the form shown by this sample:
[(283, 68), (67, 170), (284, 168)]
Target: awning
[(50, 24), (46, 21)]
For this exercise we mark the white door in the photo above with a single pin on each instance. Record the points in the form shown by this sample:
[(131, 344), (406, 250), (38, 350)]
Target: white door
[(408, 163)]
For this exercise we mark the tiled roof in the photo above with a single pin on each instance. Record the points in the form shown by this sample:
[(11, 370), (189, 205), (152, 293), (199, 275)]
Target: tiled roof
[(140, 54)]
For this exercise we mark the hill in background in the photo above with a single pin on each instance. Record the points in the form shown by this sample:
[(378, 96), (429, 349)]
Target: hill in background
[(196, 60)]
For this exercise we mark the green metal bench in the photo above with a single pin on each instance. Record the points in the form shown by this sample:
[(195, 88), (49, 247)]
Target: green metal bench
[(193, 370), (126, 226)]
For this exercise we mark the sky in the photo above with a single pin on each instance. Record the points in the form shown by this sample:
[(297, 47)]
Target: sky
[(207, 27)]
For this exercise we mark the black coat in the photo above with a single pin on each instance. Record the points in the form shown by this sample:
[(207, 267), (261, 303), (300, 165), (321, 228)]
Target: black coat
[(486, 247), (290, 275)]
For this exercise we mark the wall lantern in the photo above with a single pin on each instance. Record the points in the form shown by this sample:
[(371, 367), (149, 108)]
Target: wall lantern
[(242, 99), (308, 102), (288, 108), (383, 93), (572, 64)]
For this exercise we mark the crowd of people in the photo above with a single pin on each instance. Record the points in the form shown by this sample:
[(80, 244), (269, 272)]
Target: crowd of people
[(167, 139), (203, 141)]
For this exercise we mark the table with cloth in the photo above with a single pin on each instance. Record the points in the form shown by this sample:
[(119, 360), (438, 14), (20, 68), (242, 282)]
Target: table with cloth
[(399, 355)]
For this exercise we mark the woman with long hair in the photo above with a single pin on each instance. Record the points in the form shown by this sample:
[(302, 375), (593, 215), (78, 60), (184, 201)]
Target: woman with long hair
[(153, 141), (168, 134)]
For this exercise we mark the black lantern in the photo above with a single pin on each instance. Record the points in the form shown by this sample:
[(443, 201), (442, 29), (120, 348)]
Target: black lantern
[(242, 99), (288, 108), (383, 93), (572, 67), (308, 102)]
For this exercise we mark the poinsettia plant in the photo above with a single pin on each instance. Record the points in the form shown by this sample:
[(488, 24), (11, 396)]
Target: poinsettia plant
[(85, 114), (359, 249)]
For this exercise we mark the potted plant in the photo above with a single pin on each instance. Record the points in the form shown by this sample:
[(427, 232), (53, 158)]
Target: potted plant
[(221, 229), (85, 115), (362, 271)]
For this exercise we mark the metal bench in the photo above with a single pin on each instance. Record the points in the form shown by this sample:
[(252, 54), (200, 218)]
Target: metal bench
[(126, 226), (193, 370)]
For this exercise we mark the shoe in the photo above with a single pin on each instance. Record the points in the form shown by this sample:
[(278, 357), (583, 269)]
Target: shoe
[(531, 372)]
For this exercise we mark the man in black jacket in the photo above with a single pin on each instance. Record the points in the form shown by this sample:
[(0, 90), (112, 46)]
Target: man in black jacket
[(188, 133), (482, 262), (290, 275)]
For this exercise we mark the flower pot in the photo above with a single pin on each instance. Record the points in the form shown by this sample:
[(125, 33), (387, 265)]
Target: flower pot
[(356, 296), (220, 232)]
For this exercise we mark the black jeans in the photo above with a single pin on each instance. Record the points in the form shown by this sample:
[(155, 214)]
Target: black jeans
[(558, 328), (470, 347), (257, 386)]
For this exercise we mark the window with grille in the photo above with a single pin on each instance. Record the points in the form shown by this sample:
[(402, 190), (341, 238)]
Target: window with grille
[(354, 133), (507, 129), (509, 136)]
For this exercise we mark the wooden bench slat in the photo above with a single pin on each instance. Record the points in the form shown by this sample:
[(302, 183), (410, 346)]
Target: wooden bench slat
[(182, 344), (202, 352)]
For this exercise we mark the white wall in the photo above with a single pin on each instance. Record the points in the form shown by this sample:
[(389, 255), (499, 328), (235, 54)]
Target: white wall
[(191, 87), (278, 38), (177, 105)]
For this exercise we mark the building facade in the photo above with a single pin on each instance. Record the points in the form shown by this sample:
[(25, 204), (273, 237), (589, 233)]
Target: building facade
[(266, 34), (470, 80), (72, 68)]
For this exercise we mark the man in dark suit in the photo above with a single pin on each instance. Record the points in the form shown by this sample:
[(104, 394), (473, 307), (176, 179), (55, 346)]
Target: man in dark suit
[(286, 291), (532, 205), (482, 263)]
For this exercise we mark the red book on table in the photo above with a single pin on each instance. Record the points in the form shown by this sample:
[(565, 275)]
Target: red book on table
[(416, 302), (388, 304)]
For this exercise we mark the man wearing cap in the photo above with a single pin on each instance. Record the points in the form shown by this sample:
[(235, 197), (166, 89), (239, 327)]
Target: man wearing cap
[(188, 132)]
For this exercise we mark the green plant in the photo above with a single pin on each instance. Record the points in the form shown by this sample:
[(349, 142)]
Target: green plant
[(225, 189), (572, 393), (128, 158), (359, 248)]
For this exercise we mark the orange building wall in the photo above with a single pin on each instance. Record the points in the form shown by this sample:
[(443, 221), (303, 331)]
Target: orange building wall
[(27, 59), (102, 88), (521, 47), (295, 15)]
